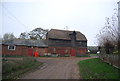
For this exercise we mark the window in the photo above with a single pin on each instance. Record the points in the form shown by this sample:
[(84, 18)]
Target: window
[(11, 47)]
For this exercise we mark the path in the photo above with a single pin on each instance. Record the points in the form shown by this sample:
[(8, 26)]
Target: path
[(57, 68)]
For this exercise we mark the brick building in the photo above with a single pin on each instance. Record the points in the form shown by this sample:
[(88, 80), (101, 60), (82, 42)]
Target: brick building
[(23, 47), (61, 42)]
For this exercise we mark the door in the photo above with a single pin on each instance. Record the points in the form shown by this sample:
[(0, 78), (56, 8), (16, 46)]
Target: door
[(73, 52), (30, 52)]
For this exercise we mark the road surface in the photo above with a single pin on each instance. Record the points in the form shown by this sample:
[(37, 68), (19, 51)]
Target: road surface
[(56, 68)]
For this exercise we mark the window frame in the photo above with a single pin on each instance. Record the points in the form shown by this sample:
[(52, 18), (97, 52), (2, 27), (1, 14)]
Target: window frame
[(11, 49)]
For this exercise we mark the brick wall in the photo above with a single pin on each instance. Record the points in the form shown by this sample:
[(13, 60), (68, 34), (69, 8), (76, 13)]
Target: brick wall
[(23, 51), (19, 50), (29, 51), (81, 52), (67, 50)]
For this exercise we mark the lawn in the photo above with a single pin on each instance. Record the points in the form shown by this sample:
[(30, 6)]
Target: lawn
[(13, 69), (97, 69), (93, 55)]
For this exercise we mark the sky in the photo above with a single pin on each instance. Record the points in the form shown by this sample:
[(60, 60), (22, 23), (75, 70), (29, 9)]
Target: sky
[(86, 16)]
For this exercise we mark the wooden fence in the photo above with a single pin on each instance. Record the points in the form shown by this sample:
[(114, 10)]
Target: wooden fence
[(111, 59)]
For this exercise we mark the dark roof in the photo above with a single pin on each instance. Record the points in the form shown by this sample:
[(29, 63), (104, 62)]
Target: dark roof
[(38, 43), (64, 34)]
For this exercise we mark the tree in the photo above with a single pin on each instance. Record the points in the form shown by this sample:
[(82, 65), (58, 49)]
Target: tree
[(8, 36), (108, 35), (37, 33), (24, 35)]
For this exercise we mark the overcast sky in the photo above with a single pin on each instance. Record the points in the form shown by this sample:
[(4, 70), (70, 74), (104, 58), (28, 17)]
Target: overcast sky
[(86, 16)]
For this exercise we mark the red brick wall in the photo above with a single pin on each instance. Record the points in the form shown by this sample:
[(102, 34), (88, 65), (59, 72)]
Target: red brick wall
[(23, 50), (41, 51), (20, 50), (81, 51), (67, 50), (59, 50)]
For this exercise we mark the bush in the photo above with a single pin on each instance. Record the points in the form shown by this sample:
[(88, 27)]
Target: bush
[(13, 68), (116, 52)]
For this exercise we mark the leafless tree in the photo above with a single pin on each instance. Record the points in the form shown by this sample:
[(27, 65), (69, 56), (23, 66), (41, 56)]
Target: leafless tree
[(108, 35), (8, 36)]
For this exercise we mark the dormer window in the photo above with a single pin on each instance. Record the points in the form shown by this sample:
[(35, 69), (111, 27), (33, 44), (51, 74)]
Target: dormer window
[(11, 47)]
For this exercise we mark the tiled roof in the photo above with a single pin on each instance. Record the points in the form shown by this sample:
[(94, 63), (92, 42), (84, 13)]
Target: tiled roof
[(38, 43), (64, 34)]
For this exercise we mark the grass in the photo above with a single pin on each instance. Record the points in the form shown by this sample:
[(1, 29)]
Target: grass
[(15, 56), (13, 69), (93, 54), (97, 69)]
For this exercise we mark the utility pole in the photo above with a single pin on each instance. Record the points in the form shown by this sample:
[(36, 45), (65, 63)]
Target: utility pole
[(119, 26)]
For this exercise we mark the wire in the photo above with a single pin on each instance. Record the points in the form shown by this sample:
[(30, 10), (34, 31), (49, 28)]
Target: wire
[(8, 16), (14, 17)]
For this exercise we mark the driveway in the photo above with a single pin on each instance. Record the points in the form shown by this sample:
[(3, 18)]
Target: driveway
[(57, 68)]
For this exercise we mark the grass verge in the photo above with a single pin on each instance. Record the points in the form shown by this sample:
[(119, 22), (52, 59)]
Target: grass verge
[(97, 69), (93, 55), (13, 69), (15, 56)]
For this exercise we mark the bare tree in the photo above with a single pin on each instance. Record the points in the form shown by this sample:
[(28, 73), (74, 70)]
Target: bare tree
[(8, 36), (108, 35)]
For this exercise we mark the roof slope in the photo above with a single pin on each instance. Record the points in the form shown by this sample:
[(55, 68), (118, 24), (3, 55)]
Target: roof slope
[(64, 34), (38, 43)]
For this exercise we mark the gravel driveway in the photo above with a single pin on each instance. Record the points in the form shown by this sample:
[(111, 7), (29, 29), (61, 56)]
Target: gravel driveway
[(57, 68)]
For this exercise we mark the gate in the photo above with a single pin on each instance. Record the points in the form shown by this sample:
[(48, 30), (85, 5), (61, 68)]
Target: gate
[(73, 52), (30, 52)]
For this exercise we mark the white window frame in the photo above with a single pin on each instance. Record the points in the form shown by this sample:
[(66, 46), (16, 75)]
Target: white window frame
[(11, 49)]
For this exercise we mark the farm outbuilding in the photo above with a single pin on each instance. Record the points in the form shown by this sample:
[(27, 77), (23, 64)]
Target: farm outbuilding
[(64, 42), (23, 47), (58, 42)]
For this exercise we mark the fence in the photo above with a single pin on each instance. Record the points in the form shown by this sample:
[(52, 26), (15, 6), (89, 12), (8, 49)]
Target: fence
[(111, 59)]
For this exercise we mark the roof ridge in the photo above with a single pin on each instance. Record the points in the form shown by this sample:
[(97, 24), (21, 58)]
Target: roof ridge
[(64, 34), (65, 30)]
